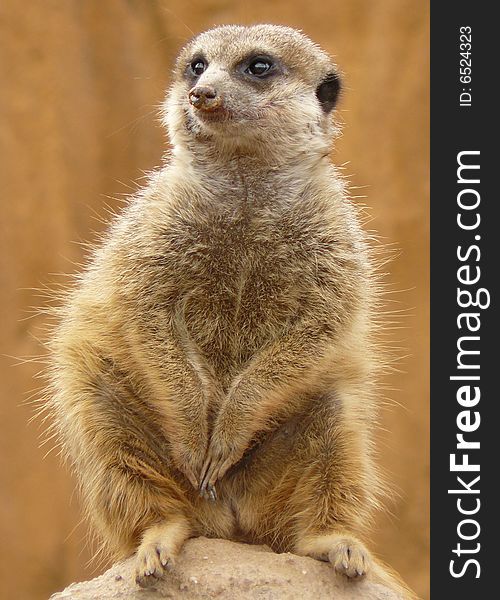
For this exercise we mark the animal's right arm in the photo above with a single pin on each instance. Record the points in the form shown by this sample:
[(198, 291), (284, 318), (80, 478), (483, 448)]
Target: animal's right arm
[(182, 389)]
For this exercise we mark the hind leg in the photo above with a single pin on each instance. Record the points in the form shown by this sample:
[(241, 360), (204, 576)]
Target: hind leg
[(141, 507), (159, 548), (346, 553), (136, 496), (336, 492)]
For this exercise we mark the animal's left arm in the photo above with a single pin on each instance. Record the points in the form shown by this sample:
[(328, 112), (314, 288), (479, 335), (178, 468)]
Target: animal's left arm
[(277, 375)]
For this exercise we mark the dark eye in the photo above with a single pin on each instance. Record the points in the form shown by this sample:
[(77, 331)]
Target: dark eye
[(198, 67), (259, 67)]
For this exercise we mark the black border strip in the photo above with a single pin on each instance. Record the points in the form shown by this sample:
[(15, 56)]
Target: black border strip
[(472, 127)]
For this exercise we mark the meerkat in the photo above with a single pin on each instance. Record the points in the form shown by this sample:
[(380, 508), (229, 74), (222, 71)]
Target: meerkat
[(213, 368)]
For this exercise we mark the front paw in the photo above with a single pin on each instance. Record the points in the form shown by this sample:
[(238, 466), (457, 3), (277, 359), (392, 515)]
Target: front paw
[(189, 462), (220, 457)]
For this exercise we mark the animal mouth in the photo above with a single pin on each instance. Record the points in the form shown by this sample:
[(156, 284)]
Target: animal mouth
[(217, 114)]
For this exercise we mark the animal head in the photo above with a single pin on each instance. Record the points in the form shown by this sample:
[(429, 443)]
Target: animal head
[(251, 90)]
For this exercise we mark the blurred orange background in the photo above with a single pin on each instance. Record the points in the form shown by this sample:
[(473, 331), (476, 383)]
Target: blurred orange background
[(81, 82)]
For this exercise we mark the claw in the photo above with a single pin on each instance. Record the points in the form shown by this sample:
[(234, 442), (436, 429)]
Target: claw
[(191, 477), (203, 482), (212, 494), (214, 468)]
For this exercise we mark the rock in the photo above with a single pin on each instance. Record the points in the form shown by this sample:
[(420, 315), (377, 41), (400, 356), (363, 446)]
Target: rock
[(226, 570)]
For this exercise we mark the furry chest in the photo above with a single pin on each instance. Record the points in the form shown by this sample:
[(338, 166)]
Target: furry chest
[(236, 306), (237, 292)]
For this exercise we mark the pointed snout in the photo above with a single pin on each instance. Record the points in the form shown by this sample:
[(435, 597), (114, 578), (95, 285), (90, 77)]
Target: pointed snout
[(205, 97)]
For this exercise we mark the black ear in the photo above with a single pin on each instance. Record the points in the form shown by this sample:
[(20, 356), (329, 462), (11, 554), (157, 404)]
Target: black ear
[(328, 91)]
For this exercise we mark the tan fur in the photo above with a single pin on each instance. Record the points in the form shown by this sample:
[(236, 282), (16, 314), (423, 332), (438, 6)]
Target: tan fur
[(225, 328)]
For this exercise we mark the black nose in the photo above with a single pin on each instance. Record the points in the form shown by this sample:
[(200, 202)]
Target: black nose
[(205, 97)]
